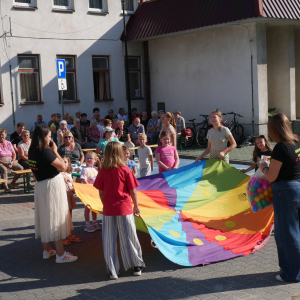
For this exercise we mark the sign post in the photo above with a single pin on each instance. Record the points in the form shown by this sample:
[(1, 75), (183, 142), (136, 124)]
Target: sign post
[(62, 81)]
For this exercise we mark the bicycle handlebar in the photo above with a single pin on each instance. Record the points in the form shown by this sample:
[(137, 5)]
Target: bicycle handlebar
[(233, 113), (205, 116)]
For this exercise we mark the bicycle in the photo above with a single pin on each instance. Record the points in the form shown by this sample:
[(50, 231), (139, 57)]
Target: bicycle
[(199, 135), (236, 129)]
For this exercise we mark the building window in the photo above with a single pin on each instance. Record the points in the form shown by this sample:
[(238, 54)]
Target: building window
[(97, 5), (101, 78), (26, 3), (134, 76), (70, 93), (130, 6), (29, 78), (63, 4)]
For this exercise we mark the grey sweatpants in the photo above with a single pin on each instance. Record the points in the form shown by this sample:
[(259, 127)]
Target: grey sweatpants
[(129, 244)]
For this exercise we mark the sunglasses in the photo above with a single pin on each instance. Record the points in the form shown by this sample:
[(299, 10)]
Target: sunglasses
[(68, 137)]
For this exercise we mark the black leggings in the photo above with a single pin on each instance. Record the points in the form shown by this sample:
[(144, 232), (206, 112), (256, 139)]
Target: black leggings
[(24, 164)]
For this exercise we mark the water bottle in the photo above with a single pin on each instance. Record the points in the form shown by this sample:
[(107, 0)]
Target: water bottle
[(8, 169)]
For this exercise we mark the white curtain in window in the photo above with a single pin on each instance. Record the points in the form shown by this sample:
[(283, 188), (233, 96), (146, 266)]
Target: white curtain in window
[(96, 4), (28, 62), (29, 83)]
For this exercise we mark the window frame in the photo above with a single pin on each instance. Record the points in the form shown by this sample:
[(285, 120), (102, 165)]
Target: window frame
[(135, 71), (98, 71), (70, 7), (32, 4), (62, 56), (98, 10), (31, 71), (131, 12)]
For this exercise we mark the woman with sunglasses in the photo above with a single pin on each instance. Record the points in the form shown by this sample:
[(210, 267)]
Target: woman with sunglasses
[(71, 149), (114, 124)]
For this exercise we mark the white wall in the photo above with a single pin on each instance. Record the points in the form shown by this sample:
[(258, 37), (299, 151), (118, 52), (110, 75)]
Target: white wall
[(197, 73), (51, 26)]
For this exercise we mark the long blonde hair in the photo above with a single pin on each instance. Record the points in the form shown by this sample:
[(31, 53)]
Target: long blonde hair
[(219, 114), (172, 121), (113, 156), (98, 162)]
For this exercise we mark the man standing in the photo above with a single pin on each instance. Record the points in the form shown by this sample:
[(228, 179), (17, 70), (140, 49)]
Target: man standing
[(134, 130), (110, 114), (96, 115), (180, 122), (53, 116), (16, 137), (84, 122), (39, 121), (122, 116), (80, 135), (54, 127)]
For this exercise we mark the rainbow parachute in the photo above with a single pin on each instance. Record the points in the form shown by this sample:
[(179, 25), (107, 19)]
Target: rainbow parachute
[(196, 214)]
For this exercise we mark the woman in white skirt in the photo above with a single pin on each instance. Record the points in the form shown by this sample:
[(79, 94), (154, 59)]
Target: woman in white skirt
[(218, 136), (52, 217)]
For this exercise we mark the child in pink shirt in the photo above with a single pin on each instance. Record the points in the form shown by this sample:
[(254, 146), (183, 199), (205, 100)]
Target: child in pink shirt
[(166, 155)]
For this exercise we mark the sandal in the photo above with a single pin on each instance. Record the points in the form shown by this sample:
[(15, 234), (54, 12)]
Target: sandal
[(66, 242), (13, 187), (75, 239), (7, 191)]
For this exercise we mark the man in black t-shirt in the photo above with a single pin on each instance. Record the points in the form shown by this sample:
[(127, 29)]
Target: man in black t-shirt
[(110, 114), (16, 137)]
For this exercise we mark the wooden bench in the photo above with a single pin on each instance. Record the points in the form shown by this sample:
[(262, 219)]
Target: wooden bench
[(2, 181), (25, 173), (182, 141)]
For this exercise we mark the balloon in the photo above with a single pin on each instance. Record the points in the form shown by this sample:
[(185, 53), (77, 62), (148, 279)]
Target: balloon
[(266, 193), (264, 186), (264, 203), (261, 181), (269, 189), (257, 185), (261, 196), (252, 198), (253, 203), (250, 194), (257, 199), (252, 189), (271, 195), (255, 208), (259, 205), (268, 198), (255, 193), (260, 190)]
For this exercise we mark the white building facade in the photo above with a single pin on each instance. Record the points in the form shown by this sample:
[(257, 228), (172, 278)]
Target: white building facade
[(86, 34)]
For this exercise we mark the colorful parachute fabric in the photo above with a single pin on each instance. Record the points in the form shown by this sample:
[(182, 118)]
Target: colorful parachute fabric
[(196, 214)]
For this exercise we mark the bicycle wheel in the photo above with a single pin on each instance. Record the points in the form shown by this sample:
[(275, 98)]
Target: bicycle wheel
[(190, 140), (201, 137), (238, 132)]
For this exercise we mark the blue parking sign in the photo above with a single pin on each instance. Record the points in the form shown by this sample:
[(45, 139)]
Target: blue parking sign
[(61, 68)]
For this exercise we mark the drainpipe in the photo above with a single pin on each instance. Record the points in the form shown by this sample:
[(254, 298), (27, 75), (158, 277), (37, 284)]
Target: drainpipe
[(147, 77), (252, 94), (12, 97)]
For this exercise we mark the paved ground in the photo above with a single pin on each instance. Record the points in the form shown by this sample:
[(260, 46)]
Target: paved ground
[(25, 275)]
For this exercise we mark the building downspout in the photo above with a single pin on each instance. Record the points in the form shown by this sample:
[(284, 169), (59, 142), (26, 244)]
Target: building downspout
[(147, 77)]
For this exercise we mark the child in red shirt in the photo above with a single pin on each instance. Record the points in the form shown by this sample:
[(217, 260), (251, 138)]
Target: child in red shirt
[(116, 184)]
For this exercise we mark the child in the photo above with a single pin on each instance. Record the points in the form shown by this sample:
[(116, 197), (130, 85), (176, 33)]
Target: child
[(71, 200), (262, 147), (166, 155), (145, 156), (88, 176), (116, 185), (129, 163), (218, 137)]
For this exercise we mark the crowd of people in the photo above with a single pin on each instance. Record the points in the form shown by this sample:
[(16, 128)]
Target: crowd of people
[(56, 146)]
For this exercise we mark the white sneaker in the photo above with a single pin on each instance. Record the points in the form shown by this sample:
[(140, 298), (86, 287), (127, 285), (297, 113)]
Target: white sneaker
[(278, 277), (47, 254), (137, 271), (65, 258)]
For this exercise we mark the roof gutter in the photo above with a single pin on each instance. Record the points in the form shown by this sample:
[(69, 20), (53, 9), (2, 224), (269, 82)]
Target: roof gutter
[(259, 8)]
